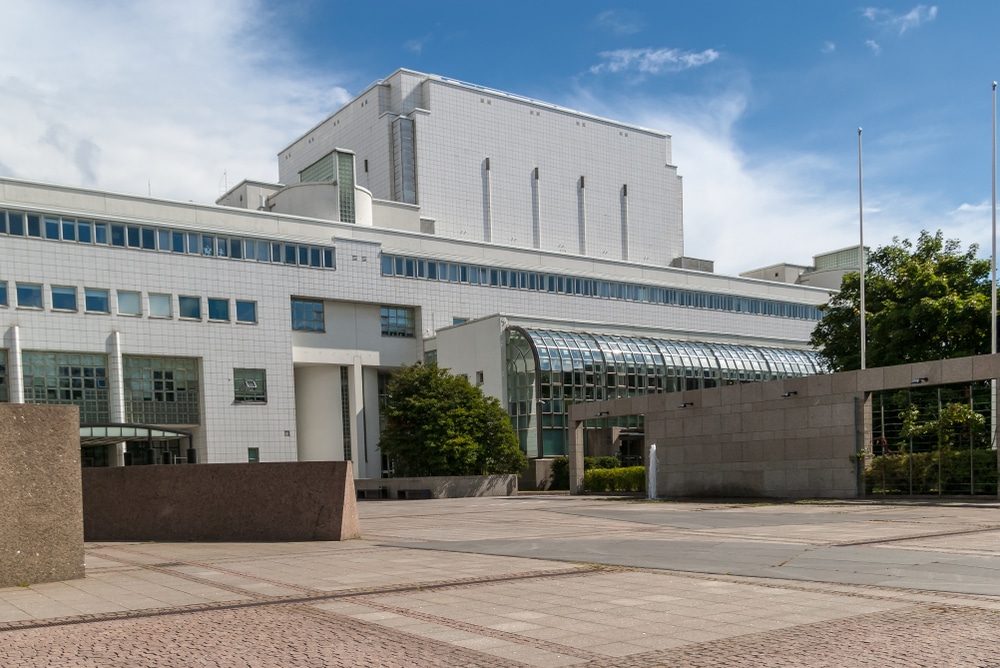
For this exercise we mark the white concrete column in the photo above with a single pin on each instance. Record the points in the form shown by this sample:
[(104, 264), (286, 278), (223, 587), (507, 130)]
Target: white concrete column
[(15, 369), (318, 415), (576, 456), (357, 406), (116, 392)]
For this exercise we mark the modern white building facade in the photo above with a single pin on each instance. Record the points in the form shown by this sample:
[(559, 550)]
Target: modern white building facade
[(521, 244)]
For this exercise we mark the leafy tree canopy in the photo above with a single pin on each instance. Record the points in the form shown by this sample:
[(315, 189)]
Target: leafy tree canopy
[(924, 302), (439, 424)]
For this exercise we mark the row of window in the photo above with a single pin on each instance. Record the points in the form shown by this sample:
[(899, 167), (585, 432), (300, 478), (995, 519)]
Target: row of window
[(129, 303), (308, 316), (164, 240), (158, 390), (406, 267)]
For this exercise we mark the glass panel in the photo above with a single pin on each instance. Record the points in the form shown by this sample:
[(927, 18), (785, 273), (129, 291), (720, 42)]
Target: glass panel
[(161, 390), (34, 226), (222, 247), (63, 298), (163, 240), (218, 309), (148, 238), (117, 235), (250, 385), (96, 300), (160, 306), (130, 303), (236, 249), (51, 228), (189, 307), (307, 315), (3, 293), (101, 233), (68, 230), (68, 378), (16, 226), (246, 311), (133, 236), (207, 244), (84, 232), (176, 242)]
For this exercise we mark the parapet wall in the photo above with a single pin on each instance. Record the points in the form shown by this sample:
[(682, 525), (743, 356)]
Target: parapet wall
[(41, 509), (281, 501)]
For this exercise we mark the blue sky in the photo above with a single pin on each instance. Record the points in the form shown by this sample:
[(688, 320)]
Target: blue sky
[(763, 99)]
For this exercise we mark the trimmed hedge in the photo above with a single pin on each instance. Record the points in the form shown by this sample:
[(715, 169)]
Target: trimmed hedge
[(559, 477), (626, 479)]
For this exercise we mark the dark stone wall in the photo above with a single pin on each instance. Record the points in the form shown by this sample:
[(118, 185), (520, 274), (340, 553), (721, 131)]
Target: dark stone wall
[(41, 509), (282, 501)]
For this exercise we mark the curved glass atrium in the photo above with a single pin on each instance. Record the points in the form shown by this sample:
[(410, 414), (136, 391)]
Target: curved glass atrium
[(548, 370)]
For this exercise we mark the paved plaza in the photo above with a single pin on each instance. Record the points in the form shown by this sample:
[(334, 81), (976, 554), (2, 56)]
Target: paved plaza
[(543, 581)]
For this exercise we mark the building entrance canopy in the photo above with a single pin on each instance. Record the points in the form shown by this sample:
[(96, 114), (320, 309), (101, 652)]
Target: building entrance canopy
[(108, 434)]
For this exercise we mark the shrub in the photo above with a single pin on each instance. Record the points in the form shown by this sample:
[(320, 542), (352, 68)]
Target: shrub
[(560, 473), (625, 479), (891, 473), (609, 462)]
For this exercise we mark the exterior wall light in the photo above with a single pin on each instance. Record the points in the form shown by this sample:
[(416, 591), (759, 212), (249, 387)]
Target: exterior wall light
[(917, 381), (686, 404), (789, 394)]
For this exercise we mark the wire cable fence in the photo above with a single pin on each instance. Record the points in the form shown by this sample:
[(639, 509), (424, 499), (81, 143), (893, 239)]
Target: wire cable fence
[(932, 440)]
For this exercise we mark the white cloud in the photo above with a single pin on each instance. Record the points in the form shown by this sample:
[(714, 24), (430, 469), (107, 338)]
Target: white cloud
[(619, 22), (780, 205), (828, 47), (416, 45), (157, 96), (652, 61), (874, 46), (887, 19)]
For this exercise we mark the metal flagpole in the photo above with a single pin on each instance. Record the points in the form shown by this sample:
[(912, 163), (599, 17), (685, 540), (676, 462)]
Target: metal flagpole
[(861, 253), (993, 289)]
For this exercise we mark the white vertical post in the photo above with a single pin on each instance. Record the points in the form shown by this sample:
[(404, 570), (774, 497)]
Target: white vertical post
[(651, 473), (861, 255), (116, 391), (15, 369)]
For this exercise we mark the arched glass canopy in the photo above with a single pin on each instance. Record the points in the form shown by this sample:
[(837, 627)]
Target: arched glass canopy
[(547, 370)]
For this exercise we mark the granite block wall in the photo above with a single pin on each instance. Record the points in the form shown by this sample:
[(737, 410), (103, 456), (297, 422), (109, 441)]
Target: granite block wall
[(41, 507), (280, 501)]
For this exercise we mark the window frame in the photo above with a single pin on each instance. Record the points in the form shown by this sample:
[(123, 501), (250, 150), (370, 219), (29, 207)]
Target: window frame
[(249, 386), (217, 301), (302, 321), (157, 297), (88, 292), (64, 292), (130, 314), (188, 300), (244, 303)]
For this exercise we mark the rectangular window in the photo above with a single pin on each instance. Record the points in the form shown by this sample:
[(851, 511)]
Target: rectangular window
[(63, 298), (34, 226), (3, 293), (176, 242), (194, 243), (397, 321), (163, 239), (160, 306), (16, 226), (129, 303), (218, 309), (101, 233), (307, 316), (207, 244), (52, 228), (132, 234), (328, 258), (250, 386), (251, 249), (68, 378), (96, 300), (83, 232), (246, 311), (289, 253), (236, 249), (253, 455), (68, 230), (117, 235), (161, 390), (189, 307)]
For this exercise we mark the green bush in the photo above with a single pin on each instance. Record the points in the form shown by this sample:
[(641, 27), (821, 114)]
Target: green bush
[(610, 462), (626, 479), (559, 477), (891, 474)]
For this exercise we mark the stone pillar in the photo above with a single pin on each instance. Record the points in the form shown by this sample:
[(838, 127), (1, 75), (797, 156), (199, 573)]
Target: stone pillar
[(576, 456)]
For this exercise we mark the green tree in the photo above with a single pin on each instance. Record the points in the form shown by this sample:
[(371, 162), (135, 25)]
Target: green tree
[(439, 424), (925, 302)]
